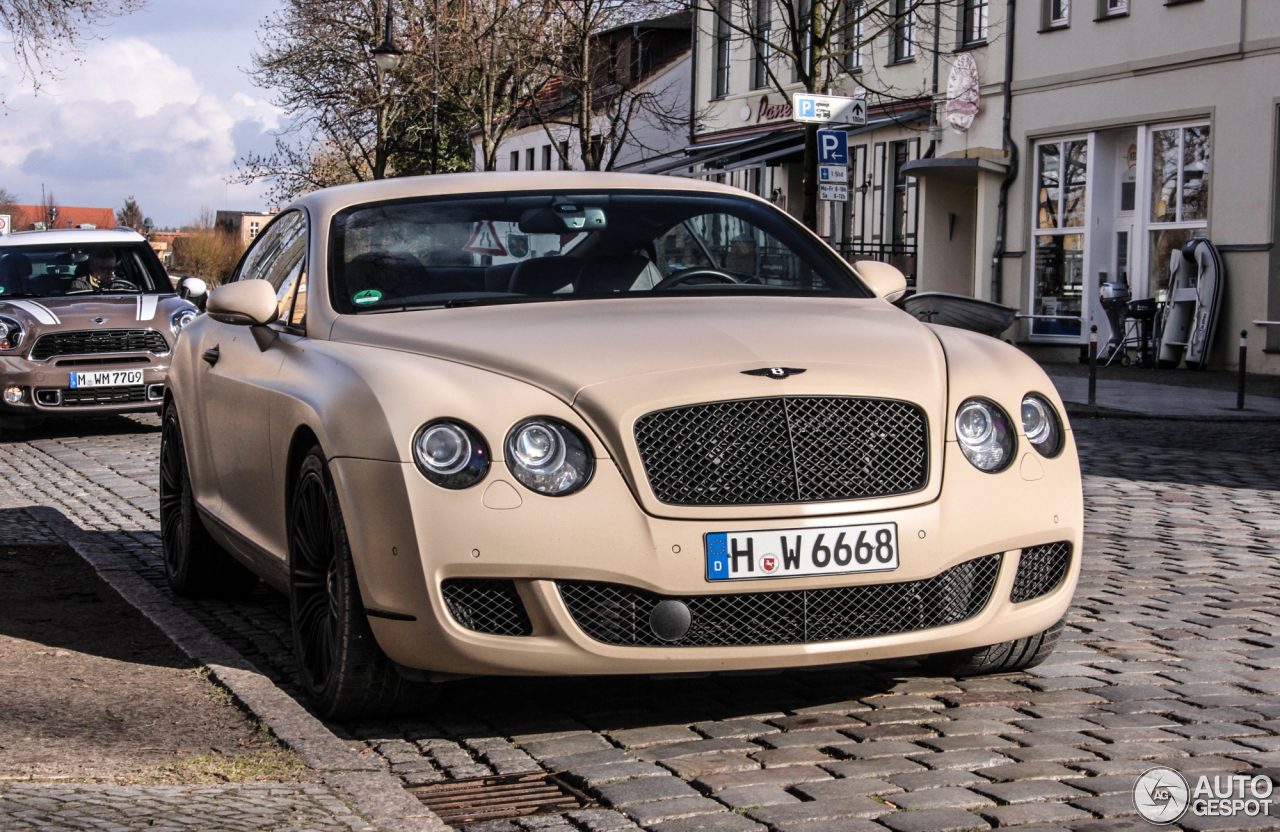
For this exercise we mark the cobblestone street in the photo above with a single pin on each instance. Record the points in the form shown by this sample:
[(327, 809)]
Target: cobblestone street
[(1171, 657)]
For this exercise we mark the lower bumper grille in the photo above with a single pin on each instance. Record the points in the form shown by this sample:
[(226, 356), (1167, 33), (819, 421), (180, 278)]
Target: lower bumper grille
[(619, 615), (1040, 571), (89, 396), (487, 606)]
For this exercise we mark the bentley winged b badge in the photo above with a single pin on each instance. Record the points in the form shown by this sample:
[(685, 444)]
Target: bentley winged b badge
[(778, 373)]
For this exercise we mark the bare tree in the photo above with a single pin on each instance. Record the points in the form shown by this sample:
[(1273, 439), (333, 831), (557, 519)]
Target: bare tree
[(810, 43), (129, 215), (40, 31)]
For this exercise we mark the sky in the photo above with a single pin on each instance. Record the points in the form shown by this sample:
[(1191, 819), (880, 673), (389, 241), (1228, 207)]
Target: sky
[(159, 107)]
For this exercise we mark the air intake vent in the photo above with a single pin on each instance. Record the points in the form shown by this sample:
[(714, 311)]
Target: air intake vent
[(617, 614), (1040, 571), (793, 449), (91, 396), (487, 606)]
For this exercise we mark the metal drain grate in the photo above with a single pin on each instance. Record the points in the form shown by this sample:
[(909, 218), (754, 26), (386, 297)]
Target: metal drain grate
[(501, 797)]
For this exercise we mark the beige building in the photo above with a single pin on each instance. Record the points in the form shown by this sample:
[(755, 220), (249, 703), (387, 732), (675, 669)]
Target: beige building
[(245, 224)]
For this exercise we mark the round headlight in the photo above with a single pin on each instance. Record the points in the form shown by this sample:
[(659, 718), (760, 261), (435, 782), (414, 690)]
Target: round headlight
[(182, 317), (986, 435), (1041, 425), (450, 454), (10, 334), (548, 457)]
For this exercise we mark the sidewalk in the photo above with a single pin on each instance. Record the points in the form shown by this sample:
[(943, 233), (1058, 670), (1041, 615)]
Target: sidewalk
[(1168, 394)]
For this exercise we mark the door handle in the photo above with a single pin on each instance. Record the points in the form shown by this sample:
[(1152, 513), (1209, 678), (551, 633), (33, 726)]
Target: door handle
[(211, 356)]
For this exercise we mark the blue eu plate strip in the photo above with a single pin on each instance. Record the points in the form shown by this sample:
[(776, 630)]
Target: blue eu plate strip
[(717, 557)]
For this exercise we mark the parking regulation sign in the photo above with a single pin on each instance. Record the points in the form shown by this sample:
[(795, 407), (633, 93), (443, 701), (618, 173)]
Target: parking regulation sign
[(833, 147), (5, 224), (833, 193), (828, 109), (833, 174)]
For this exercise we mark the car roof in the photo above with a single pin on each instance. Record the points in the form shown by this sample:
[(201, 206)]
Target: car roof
[(70, 236), (331, 200)]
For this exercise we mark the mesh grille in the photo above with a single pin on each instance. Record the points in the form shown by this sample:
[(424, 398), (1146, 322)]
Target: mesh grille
[(616, 614), (88, 396), (487, 606), (1040, 570), (91, 341), (793, 449)]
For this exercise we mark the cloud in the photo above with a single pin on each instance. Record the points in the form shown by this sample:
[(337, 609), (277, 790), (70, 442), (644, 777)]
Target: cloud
[(129, 119)]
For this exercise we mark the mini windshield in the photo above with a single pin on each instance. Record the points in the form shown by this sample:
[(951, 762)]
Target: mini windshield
[(82, 269), (558, 246)]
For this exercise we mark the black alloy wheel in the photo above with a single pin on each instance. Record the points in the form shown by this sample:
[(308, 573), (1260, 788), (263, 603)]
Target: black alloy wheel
[(194, 563), (343, 671)]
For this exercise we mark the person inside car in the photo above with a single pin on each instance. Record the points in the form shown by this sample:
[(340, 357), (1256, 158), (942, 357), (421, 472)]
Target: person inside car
[(97, 274)]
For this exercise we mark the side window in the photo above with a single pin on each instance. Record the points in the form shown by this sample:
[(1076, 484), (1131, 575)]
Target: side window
[(279, 256), (298, 316)]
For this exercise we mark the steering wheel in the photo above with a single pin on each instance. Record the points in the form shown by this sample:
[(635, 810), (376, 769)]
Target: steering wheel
[(119, 284), (696, 271)]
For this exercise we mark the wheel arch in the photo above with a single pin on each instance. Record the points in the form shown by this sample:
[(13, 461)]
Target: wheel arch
[(300, 444)]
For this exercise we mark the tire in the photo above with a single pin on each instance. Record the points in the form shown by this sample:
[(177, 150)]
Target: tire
[(1007, 657), (340, 666), (194, 563)]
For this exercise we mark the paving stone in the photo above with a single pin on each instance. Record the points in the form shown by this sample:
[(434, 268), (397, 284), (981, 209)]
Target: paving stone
[(700, 765), (966, 743), (689, 749), (934, 820), (647, 814), (838, 789), (1030, 791), (1106, 784), (646, 737), (745, 728), (880, 767), (939, 799), (779, 757), (749, 797), (903, 701), (890, 715), (814, 722), (915, 781), (1026, 771), (872, 750), (888, 731), (966, 760), (599, 820), (802, 738), (1025, 813), (788, 776), (722, 822), (630, 792), (849, 807), (1049, 754), (595, 776), (1117, 804)]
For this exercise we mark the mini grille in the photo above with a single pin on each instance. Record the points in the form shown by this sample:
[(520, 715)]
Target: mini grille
[(1040, 571), (792, 449), (89, 396), (487, 606), (617, 614), (91, 341)]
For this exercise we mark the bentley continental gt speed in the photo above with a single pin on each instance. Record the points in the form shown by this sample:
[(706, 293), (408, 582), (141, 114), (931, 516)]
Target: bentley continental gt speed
[(582, 423)]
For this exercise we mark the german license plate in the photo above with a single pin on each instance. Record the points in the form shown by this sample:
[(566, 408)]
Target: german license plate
[(106, 378), (794, 553)]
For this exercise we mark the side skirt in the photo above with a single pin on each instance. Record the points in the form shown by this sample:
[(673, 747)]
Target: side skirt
[(270, 568)]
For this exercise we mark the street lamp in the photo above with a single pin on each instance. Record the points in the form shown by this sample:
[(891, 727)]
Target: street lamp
[(388, 55), (147, 226)]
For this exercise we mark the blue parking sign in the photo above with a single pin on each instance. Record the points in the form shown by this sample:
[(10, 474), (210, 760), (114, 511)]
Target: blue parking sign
[(833, 147), (806, 108)]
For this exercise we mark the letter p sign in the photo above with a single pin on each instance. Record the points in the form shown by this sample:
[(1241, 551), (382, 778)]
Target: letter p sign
[(833, 147)]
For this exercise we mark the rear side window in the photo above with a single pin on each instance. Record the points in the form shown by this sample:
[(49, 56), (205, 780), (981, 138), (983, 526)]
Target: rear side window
[(279, 256)]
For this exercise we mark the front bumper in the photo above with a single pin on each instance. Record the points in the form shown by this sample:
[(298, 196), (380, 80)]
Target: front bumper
[(416, 536), (47, 391)]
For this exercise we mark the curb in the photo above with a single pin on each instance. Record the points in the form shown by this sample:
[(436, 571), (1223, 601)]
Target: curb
[(365, 783)]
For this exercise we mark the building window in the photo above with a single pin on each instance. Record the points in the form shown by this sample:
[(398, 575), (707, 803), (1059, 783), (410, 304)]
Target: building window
[(974, 22), (1179, 197), (1112, 8), (723, 43), (1062, 169), (515, 160), (1057, 13), (763, 51), (253, 229), (546, 157), (904, 31), (528, 160), (851, 36), (564, 155)]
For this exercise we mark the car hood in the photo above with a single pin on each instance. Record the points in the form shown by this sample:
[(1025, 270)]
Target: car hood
[(615, 360), (78, 311)]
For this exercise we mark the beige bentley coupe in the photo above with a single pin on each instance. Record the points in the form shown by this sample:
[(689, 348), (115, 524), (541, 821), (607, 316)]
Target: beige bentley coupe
[(581, 423)]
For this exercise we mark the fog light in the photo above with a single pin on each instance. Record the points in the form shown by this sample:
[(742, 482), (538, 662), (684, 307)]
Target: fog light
[(14, 395)]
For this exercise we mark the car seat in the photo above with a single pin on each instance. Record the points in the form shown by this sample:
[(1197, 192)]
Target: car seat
[(15, 274), (546, 276), (397, 274)]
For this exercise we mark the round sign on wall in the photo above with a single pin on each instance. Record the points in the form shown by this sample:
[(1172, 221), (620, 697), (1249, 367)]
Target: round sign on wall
[(962, 93)]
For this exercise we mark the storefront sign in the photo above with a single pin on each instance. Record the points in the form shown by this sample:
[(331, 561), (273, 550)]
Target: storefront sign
[(766, 112)]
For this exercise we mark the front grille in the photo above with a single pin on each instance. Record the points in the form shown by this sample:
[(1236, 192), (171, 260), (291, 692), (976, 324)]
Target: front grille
[(1040, 570), (92, 341), (487, 606), (89, 396), (789, 449), (617, 614)]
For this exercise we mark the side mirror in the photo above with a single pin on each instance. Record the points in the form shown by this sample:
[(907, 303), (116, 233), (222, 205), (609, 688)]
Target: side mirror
[(244, 303), (192, 287), (886, 281)]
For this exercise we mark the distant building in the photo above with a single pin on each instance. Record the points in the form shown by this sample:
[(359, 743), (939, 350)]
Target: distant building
[(38, 217), (246, 224)]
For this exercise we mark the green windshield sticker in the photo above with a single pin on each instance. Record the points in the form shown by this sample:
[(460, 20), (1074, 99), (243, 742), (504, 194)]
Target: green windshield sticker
[(367, 297)]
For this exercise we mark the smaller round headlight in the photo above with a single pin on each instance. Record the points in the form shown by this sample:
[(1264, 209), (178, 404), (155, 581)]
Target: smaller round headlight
[(1041, 425), (182, 317), (549, 457), (14, 395), (10, 334), (986, 435), (450, 454)]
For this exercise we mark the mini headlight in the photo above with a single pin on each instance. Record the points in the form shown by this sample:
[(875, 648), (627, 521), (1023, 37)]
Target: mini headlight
[(450, 454), (548, 457), (1041, 425), (986, 435), (14, 395), (182, 317), (10, 334)]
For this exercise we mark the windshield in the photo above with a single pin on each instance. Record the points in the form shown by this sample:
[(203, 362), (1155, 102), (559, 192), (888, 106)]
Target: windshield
[(469, 250), (81, 269)]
